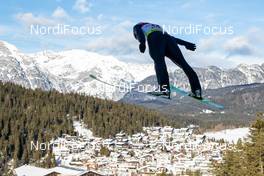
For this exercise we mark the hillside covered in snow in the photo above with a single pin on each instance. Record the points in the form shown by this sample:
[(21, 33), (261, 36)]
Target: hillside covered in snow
[(68, 71)]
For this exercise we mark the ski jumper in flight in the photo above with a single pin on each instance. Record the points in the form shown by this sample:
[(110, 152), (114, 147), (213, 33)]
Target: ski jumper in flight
[(162, 44)]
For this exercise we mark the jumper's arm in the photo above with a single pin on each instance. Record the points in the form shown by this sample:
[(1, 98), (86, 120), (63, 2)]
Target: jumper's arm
[(188, 45)]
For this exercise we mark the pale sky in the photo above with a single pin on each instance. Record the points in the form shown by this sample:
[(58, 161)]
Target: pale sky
[(108, 27)]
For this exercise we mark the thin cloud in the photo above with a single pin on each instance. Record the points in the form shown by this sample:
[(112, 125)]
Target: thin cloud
[(186, 5), (120, 42), (29, 19), (224, 51), (82, 6), (238, 46), (3, 30), (59, 12)]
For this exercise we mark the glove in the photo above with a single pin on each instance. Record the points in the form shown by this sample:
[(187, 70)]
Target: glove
[(142, 47), (190, 46)]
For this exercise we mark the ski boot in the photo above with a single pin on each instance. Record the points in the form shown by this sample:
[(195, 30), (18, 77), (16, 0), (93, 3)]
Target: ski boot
[(163, 94), (197, 94)]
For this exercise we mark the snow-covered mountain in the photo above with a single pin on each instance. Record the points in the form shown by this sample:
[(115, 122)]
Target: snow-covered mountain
[(213, 77), (68, 71), (76, 66), (19, 68)]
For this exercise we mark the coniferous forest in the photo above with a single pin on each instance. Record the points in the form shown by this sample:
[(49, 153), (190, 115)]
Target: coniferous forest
[(246, 158), (35, 115)]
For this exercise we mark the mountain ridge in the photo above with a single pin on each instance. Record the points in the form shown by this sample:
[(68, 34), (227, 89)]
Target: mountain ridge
[(68, 71)]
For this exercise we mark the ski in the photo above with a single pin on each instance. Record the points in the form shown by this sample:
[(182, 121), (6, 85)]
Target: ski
[(104, 82), (203, 100)]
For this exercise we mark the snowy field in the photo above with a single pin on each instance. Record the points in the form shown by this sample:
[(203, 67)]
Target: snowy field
[(229, 135), (82, 130)]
